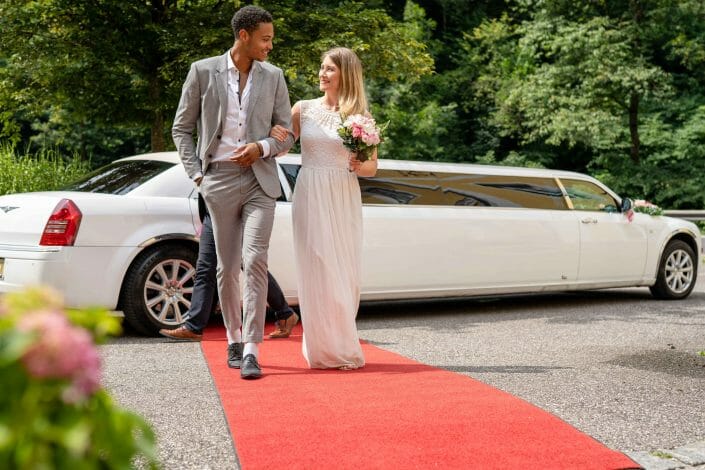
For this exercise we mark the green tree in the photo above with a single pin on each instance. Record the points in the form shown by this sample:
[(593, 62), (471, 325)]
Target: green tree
[(566, 81), (607, 85), (430, 119), (420, 127), (75, 71)]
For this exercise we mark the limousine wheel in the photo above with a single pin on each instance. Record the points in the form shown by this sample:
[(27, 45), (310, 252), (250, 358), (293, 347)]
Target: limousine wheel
[(158, 287), (676, 273)]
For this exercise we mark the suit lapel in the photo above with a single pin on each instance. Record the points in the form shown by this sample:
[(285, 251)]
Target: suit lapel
[(256, 85), (221, 80)]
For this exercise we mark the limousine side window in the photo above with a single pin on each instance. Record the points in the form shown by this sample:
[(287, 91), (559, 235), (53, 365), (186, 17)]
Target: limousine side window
[(587, 196), (456, 189), (291, 171), (389, 186), (502, 191), (402, 187)]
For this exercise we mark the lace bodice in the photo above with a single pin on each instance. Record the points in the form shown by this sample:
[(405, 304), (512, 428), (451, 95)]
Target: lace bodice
[(321, 146)]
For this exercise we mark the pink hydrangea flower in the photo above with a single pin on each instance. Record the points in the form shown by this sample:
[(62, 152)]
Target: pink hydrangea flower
[(61, 351)]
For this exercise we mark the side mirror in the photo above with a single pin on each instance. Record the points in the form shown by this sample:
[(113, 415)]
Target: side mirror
[(626, 204)]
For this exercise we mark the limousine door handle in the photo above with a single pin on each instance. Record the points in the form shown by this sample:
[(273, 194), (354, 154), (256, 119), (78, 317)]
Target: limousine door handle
[(589, 220)]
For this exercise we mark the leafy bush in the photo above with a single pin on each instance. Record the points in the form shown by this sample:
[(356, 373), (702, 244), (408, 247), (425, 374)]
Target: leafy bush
[(45, 171), (53, 411)]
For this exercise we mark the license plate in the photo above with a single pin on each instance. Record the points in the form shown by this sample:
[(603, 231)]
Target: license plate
[(2, 269)]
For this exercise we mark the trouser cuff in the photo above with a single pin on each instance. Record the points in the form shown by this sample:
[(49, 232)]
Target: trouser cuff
[(283, 315)]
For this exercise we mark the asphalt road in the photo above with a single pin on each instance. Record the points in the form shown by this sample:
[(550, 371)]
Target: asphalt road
[(616, 364)]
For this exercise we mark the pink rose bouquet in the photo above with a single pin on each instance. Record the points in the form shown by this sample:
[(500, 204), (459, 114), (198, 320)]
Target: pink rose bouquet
[(361, 135)]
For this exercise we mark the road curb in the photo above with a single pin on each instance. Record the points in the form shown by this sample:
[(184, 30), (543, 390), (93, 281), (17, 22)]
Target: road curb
[(690, 456)]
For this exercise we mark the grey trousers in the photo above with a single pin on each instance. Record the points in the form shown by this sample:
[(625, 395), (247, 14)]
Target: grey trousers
[(242, 215)]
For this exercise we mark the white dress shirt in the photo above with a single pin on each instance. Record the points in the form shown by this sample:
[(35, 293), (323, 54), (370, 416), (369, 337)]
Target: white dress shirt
[(234, 134)]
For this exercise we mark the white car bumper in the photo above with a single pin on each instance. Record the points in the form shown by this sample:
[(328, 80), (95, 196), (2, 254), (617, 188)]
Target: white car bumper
[(86, 276)]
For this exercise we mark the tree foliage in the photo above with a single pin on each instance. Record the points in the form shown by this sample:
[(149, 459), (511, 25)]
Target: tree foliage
[(603, 86), (611, 87), (75, 73)]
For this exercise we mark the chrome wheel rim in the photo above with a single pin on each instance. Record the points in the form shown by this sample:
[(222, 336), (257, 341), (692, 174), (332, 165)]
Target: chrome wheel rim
[(679, 271), (168, 290)]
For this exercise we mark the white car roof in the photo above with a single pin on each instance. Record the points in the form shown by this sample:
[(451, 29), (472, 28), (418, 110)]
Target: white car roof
[(170, 157), (463, 168), (173, 157)]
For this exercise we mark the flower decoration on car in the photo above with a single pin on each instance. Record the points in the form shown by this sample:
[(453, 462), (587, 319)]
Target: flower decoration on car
[(643, 206), (646, 207)]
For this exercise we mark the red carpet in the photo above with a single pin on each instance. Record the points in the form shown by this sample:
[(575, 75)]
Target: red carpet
[(392, 414)]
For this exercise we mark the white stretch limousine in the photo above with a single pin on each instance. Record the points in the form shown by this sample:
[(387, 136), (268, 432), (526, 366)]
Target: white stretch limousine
[(125, 237)]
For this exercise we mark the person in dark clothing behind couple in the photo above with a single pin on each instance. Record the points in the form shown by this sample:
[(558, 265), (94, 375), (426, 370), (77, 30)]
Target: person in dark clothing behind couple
[(204, 292)]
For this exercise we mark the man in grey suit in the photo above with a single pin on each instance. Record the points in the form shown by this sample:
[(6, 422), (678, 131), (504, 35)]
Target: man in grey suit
[(233, 101)]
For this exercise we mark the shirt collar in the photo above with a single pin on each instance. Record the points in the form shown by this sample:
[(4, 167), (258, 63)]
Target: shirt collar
[(231, 64)]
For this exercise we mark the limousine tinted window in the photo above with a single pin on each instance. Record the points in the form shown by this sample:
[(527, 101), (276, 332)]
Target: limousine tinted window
[(453, 189), (402, 187), (291, 172), (587, 196), (390, 186), (457, 189), (502, 191)]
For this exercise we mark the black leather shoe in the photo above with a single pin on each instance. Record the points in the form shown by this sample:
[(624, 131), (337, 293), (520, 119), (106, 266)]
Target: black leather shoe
[(250, 369), (235, 355)]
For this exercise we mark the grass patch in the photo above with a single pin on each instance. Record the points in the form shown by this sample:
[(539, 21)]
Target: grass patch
[(661, 455), (45, 170)]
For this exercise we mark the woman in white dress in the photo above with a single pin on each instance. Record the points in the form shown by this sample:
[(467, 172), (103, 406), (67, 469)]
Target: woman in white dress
[(327, 215)]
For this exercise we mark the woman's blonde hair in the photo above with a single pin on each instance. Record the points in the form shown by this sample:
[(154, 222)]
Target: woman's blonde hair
[(351, 94)]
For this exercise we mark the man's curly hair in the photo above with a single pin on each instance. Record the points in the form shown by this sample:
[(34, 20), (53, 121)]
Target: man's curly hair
[(249, 19)]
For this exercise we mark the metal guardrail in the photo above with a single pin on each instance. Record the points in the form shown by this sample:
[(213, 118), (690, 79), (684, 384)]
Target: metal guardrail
[(692, 215)]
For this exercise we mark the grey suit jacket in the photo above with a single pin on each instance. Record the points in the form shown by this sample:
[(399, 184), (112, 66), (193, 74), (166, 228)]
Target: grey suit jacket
[(203, 107)]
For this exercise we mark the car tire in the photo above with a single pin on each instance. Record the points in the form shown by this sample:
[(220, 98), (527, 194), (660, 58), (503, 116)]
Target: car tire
[(677, 272), (157, 289)]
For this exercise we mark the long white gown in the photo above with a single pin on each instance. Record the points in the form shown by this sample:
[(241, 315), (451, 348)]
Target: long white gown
[(327, 221)]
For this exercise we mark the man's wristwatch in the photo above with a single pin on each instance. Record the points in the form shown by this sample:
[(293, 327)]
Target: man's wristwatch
[(261, 150)]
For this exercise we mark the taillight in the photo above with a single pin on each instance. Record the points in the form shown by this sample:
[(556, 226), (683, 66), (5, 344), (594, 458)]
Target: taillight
[(62, 227)]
